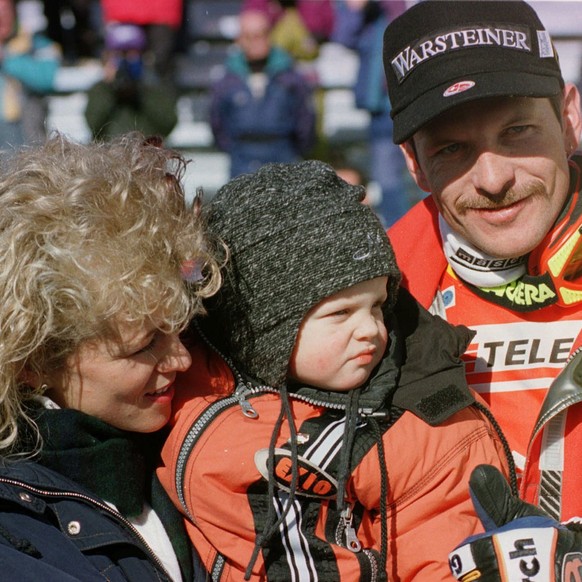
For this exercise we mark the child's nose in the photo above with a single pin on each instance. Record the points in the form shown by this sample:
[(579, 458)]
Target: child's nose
[(368, 326)]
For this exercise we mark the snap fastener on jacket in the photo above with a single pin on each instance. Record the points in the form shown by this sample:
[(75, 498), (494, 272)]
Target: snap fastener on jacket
[(24, 496), (74, 527)]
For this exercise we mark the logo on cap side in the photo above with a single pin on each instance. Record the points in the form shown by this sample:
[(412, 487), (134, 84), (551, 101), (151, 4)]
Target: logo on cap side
[(515, 38), (545, 44), (459, 87)]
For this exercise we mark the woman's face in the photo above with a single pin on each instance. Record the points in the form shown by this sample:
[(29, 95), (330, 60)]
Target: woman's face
[(128, 384)]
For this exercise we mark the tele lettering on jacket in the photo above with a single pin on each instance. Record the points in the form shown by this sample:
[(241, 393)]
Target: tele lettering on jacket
[(532, 349)]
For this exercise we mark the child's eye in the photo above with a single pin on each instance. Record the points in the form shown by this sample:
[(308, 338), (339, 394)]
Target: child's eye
[(339, 313)]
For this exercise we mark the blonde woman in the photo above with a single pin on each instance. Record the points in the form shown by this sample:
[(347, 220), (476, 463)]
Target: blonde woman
[(103, 265)]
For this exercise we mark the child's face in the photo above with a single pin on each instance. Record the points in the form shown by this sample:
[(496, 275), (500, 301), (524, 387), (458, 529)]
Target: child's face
[(342, 338)]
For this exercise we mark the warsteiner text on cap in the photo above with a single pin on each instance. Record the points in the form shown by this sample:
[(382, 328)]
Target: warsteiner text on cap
[(441, 53)]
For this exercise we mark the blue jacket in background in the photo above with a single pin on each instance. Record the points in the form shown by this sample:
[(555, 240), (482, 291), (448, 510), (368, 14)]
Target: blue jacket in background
[(277, 127)]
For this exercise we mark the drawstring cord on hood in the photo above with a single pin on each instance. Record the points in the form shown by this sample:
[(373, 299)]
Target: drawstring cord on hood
[(352, 415), (505, 444), (383, 494), (348, 441), (271, 525)]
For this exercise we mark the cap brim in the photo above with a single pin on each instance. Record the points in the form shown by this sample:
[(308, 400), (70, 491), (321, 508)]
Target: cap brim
[(432, 103)]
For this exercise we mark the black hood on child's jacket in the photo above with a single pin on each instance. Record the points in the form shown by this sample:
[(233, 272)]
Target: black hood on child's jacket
[(422, 370)]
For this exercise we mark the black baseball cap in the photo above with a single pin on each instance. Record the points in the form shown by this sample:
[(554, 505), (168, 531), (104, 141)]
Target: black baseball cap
[(441, 53)]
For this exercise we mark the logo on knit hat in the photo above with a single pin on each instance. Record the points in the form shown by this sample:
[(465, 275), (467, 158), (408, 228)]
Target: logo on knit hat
[(372, 246)]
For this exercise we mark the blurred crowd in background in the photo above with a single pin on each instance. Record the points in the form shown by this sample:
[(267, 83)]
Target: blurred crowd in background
[(238, 83)]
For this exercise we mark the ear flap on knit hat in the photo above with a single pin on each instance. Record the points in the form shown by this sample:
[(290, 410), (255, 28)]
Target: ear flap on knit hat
[(297, 234)]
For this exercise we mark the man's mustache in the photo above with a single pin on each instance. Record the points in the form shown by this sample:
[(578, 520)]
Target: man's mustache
[(507, 198)]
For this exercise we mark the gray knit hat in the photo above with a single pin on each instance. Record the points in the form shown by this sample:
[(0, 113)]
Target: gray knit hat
[(297, 234)]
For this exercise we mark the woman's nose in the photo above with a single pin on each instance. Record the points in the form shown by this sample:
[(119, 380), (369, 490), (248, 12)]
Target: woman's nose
[(177, 358)]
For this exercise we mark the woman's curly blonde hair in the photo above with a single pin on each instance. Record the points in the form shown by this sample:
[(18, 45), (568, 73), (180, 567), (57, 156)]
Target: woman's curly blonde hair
[(91, 235)]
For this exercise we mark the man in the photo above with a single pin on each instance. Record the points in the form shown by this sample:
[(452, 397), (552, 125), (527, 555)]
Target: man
[(489, 128), (262, 109)]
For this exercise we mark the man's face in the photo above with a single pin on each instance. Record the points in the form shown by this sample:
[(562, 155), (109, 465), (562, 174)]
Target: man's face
[(254, 38), (497, 169)]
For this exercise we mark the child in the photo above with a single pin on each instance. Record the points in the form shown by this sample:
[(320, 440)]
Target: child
[(334, 436)]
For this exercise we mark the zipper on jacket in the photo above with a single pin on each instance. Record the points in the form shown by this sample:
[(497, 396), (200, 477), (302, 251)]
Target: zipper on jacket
[(352, 542), (101, 505), (373, 565), (564, 403), (192, 437), (342, 532), (560, 407)]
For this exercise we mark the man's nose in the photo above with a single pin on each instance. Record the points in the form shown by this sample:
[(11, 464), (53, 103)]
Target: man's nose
[(493, 174)]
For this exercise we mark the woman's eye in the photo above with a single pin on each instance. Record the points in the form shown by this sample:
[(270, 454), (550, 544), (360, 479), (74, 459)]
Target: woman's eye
[(148, 347)]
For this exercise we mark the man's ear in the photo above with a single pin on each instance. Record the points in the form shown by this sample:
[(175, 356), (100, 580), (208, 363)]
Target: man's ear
[(413, 166), (571, 118)]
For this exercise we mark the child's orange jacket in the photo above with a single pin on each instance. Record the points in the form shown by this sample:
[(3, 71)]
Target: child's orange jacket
[(414, 449)]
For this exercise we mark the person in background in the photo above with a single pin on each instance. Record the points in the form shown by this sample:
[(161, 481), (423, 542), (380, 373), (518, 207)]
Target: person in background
[(332, 441), (291, 33), (10, 96), (262, 109), (490, 129), (75, 25), (359, 25), (34, 60), (129, 98), (351, 173), (161, 21), (317, 16), (29, 63), (103, 264)]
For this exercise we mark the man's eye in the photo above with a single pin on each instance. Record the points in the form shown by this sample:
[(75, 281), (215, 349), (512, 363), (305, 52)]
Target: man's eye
[(452, 148), (517, 129)]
